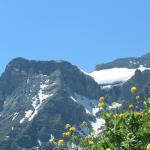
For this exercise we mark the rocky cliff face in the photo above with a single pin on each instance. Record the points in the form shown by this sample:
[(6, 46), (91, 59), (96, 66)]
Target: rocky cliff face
[(122, 93), (118, 76), (38, 98), (131, 63)]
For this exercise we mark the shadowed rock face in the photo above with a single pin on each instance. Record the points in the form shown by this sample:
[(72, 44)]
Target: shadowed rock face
[(131, 63), (122, 92), (36, 98), (35, 101)]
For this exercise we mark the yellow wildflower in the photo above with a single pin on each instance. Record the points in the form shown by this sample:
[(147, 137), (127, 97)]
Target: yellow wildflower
[(148, 112), (140, 114), (102, 99), (120, 116), (148, 147), (66, 134), (67, 126), (130, 106), (108, 148), (137, 98), (60, 142), (90, 142), (133, 89), (84, 124), (72, 129), (93, 133), (101, 105), (148, 100), (51, 141)]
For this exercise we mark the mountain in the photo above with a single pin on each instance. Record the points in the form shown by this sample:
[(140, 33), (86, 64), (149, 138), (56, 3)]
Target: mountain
[(118, 76), (39, 97), (120, 70), (131, 63)]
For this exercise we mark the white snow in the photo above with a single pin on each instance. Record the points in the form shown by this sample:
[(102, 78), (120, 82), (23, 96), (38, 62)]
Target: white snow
[(47, 81), (7, 137), (28, 80), (85, 102), (133, 62), (22, 120), (42, 86), (98, 125), (39, 142), (109, 76), (115, 105), (95, 110), (39, 99), (27, 115), (15, 115), (42, 96), (90, 107), (107, 87), (52, 136)]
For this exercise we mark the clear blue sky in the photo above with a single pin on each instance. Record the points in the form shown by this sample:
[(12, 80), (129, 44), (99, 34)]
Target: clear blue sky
[(84, 32)]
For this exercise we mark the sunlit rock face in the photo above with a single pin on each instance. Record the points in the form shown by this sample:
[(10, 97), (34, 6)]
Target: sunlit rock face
[(36, 100)]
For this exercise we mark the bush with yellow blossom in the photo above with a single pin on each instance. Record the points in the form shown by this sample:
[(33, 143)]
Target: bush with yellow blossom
[(127, 129)]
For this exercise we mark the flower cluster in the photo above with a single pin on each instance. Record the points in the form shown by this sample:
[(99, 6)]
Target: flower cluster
[(125, 128)]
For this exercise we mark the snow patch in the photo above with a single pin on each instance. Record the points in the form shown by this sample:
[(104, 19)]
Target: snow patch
[(42, 86), (98, 125), (28, 80), (47, 81), (39, 99), (15, 115), (39, 142), (91, 108), (107, 87), (87, 103), (109, 76), (27, 115)]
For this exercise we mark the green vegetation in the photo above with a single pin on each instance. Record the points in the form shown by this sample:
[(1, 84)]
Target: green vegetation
[(124, 130)]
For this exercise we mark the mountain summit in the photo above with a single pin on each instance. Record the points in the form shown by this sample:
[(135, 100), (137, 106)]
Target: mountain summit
[(37, 98), (120, 70), (130, 63)]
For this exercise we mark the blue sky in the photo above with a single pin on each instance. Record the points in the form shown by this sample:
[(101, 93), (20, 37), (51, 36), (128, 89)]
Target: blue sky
[(83, 32)]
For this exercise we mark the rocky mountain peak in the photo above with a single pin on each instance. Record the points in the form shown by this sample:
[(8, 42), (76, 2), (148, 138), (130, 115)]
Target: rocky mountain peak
[(36, 96), (37, 67), (146, 56), (130, 63)]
